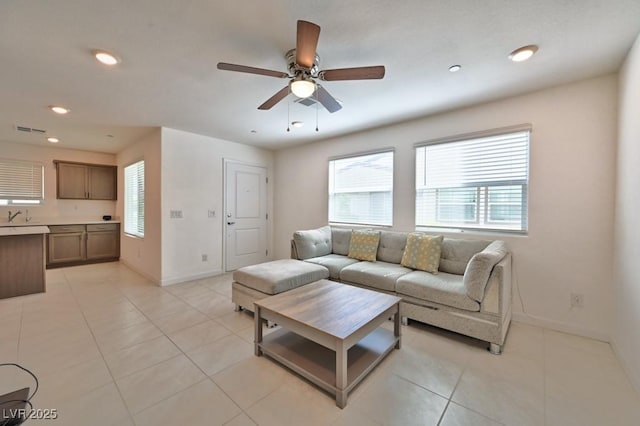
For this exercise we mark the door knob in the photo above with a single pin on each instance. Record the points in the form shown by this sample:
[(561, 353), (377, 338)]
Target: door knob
[(230, 223)]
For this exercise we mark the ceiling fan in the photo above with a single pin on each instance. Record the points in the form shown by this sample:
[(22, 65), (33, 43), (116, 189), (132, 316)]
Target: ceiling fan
[(303, 72)]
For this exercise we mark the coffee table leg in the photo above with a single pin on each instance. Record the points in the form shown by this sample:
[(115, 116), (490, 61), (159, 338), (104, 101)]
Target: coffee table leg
[(258, 331), (396, 326), (341, 375)]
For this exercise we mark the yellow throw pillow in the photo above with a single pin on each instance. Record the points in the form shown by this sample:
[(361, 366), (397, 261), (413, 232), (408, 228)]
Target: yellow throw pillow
[(422, 252), (364, 245)]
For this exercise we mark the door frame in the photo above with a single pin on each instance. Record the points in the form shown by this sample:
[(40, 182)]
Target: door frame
[(225, 164)]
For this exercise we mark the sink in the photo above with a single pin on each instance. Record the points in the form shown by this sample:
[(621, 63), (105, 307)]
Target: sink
[(22, 230)]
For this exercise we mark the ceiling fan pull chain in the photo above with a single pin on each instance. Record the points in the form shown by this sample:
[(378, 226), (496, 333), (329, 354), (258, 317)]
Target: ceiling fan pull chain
[(316, 95), (288, 103)]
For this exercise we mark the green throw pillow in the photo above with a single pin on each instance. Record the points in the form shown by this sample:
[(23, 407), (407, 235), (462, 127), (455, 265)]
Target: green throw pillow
[(422, 252), (364, 245)]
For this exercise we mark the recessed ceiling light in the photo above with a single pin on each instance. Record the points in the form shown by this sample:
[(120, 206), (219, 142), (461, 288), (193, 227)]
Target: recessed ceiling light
[(53, 140), (455, 68), (105, 57), (254, 131), (297, 124), (58, 109), (523, 53)]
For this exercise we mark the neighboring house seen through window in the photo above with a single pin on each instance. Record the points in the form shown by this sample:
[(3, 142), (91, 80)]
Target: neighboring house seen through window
[(361, 189), (21, 182), (474, 183), (134, 199)]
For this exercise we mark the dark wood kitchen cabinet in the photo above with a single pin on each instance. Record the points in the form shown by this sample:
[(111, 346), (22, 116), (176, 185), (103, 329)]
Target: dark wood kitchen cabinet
[(82, 181)]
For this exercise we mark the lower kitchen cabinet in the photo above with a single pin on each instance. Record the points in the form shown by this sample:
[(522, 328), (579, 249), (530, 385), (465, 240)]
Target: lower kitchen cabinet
[(81, 244)]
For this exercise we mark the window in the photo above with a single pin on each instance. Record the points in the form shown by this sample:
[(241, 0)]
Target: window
[(474, 183), (21, 182), (361, 189), (134, 199)]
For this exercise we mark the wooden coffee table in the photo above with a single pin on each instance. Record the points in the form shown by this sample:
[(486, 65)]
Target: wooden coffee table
[(330, 333)]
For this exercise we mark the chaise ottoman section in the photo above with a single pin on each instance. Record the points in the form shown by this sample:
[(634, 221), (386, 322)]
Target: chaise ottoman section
[(256, 282)]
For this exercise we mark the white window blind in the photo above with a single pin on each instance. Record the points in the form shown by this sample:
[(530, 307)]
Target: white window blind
[(21, 182), (134, 199), (361, 189), (478, 183)]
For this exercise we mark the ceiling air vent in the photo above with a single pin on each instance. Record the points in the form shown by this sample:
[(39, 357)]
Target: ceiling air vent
[(307, 101), (29, 129)]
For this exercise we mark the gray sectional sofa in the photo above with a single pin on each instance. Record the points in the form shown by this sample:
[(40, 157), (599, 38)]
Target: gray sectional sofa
[(470, 294)]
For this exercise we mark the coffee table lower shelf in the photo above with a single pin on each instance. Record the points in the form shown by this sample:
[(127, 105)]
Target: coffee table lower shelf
[(318, 363)]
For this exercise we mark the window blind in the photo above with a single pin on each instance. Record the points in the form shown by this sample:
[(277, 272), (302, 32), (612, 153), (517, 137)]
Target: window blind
[(474, 183), (361, 189), (21, 182), (134, 199)]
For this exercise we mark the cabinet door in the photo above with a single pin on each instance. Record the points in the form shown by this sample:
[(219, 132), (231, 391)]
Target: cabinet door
[(72, 181), (102, 183), (103, 245), (67, 247)]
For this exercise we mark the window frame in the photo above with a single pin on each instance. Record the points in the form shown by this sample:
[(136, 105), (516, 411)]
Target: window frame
[(483, 221), (28, 198), (134, 230), (366, 222)]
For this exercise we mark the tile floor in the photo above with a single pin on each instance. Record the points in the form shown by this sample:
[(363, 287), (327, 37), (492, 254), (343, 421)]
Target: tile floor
[(110, 348)]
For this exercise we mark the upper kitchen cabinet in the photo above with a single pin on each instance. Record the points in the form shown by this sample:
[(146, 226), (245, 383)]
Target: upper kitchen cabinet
[(81, 181)]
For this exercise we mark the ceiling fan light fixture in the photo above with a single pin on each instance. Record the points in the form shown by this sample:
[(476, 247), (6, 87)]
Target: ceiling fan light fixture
[(523, 53), (303, 88)]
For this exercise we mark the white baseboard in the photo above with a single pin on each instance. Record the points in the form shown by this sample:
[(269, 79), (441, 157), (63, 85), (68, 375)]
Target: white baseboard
[(134, 268), (191, 277), (633, 376), (561, 326)]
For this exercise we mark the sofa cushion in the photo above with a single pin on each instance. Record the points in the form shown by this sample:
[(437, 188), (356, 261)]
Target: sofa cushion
[(457, 253), (313, 243), (479, 268), (340, 239), (279, 275), (422, 252), (391, 246), (445, 289), (364, 245), (334, 263), (379, 275)]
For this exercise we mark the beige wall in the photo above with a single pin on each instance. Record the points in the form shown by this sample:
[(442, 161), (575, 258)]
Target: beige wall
[(626, 337), (572, 180), (143, 254), (192, 181), (52, 207)]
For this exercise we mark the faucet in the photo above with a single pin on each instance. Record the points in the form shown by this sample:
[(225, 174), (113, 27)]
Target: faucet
[(13, 216), (27, 218)]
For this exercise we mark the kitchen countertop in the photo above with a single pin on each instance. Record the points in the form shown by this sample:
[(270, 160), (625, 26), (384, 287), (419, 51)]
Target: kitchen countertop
[(55, 221), (22, 230)]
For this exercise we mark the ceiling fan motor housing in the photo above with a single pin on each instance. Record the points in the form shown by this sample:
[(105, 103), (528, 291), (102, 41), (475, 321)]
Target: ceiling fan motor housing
[(296, 70)]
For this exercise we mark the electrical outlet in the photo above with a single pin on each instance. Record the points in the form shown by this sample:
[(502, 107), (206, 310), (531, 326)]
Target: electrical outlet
[(577, 300), (212, 213), (205, 257), (175, 214)]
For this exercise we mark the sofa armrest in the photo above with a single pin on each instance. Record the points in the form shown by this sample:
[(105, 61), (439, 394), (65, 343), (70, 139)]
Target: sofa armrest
[(294, 250), (497, 297)]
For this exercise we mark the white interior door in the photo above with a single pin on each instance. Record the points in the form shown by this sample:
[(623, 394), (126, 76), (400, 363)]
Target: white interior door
[(246, 215)]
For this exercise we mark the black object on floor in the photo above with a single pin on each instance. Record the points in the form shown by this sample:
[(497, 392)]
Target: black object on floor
[(13, 407)]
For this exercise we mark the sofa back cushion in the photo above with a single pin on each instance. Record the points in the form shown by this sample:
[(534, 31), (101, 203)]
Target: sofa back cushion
[(364, 245), (391, 246), (479, 268), (340, 240), (313, 243), (456, 254), (422, 252)]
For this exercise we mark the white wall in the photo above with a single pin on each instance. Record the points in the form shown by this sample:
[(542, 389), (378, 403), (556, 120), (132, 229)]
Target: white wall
[(52, 207), (572, 180), (626, 337), (192, 181), (143, 254)]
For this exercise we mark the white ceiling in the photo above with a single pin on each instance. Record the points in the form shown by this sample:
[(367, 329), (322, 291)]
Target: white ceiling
[(170, 49)]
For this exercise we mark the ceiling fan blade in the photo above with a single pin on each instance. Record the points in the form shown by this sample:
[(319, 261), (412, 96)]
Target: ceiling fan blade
[(306, 43), (275, 98), (328, 101), (251, 70), (360, 73)]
